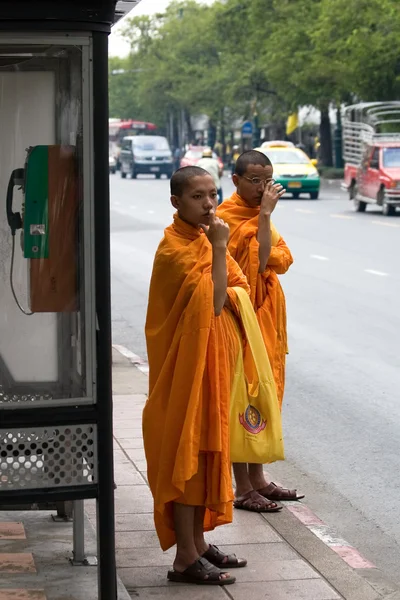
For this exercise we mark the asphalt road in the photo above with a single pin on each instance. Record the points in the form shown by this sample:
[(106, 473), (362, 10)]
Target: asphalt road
[(342, 403)]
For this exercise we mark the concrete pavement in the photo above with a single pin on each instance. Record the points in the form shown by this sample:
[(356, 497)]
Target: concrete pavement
[(35, 555), (287, 558), (341, 409), (287, 561)]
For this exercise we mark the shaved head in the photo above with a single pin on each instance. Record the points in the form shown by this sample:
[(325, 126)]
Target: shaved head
[(181, 177), (251, 157)]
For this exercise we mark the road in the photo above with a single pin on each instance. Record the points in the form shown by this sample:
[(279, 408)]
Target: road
[(342, 404)]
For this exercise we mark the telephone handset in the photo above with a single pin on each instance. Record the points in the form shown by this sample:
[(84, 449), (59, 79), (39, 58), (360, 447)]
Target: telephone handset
[(14, 218), (49, 224)]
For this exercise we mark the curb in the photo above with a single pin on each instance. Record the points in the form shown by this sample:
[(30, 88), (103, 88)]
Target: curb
[(327, 535), (136, 361)]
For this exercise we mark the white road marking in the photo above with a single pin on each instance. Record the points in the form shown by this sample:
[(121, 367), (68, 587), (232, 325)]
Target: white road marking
[(341, 217), (139, 363), (379, 273), (385, 223), (306, 211), (318, 257)]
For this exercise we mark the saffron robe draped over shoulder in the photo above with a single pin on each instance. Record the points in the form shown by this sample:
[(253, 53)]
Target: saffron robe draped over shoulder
[(266, 292), (192, 357)]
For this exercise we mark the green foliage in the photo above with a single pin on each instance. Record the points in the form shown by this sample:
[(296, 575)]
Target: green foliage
[(236, 57), (123, 85), (360, 40)]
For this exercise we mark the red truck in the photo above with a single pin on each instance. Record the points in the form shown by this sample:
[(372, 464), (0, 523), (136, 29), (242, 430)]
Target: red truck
[(371, 150)]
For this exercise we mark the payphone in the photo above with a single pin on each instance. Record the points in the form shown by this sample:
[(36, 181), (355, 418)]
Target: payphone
[(48, 223), (55, 364)]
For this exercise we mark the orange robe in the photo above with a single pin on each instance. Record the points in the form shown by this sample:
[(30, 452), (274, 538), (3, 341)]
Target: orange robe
[(192, 357), (266, 293)]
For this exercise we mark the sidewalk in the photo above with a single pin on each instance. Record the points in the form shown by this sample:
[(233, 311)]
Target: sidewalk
[(286, 559)]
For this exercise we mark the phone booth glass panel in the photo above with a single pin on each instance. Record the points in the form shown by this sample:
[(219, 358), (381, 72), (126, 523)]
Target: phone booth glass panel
[(47, 317), (44, 356)]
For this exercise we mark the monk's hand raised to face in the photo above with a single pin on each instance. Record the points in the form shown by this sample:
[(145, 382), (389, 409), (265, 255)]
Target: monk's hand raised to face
[(272, 193), (217, 231)]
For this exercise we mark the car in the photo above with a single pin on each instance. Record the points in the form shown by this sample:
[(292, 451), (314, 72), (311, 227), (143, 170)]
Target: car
[(377, 179), (371, 150), (146, 154), (277, 144), (112, 163), (194, 154), (293, 169)]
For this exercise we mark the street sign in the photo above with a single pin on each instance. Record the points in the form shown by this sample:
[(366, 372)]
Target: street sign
[(247, 129)]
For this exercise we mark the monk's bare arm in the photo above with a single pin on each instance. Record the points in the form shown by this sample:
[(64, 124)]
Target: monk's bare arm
[(271, 195), (218, 235), (219, 276), (264, 240)]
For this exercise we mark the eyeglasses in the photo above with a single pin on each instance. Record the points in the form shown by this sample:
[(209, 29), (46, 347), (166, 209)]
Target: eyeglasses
[(258, 181)]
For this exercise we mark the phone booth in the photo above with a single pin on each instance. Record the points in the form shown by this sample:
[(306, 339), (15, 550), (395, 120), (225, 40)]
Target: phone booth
[(55, 314)]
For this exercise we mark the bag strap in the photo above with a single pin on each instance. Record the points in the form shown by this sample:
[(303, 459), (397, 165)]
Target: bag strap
[(254, 336)]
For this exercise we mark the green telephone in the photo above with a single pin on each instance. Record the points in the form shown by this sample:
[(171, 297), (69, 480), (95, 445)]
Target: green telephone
[(48, 220)]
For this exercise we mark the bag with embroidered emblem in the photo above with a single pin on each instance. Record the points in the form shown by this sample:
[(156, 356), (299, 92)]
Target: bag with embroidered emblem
[(255, 416)]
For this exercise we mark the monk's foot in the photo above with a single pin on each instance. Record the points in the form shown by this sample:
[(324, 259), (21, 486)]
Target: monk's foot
[(259, 482), (202, 546), (201, 572), (255, 502), (243, 490), (183, 560), (182, 563)]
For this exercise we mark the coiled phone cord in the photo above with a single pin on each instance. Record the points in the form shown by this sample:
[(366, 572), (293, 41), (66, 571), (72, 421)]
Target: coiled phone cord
[(21, 308)]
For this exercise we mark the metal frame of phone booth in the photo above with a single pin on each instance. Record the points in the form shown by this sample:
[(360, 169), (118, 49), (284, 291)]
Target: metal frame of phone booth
[(79, 424)]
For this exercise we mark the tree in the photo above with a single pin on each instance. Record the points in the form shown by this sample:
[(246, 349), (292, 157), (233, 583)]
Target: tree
[(123, 97), (359, 42), (238, 58), (240, 27), (294, 67)]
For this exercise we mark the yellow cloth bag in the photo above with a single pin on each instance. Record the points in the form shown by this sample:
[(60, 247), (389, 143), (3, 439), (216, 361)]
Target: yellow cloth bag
[(255, 417)]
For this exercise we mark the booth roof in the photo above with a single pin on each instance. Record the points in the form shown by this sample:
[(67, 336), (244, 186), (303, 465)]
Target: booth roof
[(123, 7), (107, 12)]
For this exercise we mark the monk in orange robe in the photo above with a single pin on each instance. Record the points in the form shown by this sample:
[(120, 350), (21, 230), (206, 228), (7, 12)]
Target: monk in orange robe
[(193, 342), (262, 254)]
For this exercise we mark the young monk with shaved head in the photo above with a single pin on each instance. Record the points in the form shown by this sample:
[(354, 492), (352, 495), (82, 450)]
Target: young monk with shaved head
[(193, 343), (262, 254)]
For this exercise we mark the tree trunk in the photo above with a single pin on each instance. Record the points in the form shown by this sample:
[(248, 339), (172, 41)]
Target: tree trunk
[(189, 129), (223, 136), (174, 121), (279, 131), (212, 134), (325, 136), (176, 130)]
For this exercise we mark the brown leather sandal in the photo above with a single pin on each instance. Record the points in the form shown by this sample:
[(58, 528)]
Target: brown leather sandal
[(218, 558), (255, 502), (275, 492), (201, 572)]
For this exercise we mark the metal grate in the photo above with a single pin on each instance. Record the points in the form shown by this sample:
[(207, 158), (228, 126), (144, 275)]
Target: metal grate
[(6, 398), (48, 457), (366, 124)]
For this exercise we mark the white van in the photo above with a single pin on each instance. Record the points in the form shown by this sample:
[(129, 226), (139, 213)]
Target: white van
[(146, 154)]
